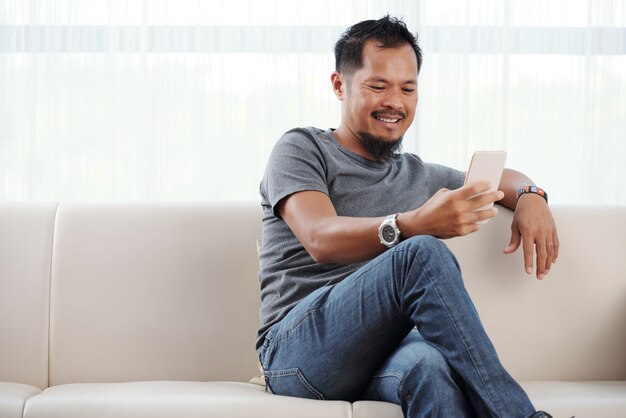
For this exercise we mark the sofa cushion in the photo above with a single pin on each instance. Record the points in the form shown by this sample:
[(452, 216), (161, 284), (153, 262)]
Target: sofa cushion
[(581, 399), (569, 326), (370, 409), (175, 399), (13, 396), (26, 231), (145, 291), (561, 399)]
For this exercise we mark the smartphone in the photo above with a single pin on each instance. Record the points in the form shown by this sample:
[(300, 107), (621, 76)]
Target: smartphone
[(486, 165)]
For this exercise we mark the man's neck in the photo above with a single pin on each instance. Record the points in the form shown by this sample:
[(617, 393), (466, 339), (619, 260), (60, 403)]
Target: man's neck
[(351, 141)]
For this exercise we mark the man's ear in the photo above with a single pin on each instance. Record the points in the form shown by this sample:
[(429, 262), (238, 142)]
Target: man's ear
[(339, 84)]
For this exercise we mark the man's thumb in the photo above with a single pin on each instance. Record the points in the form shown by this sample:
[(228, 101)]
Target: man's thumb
[(514, 243)]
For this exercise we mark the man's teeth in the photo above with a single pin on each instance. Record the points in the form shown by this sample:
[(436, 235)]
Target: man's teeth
[(387, 120)]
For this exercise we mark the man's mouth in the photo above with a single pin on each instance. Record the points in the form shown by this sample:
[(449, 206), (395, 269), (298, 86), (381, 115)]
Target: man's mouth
[(387, 118)]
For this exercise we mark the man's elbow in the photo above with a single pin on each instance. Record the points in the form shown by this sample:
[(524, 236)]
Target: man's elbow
[(321, 257), (319, 249)]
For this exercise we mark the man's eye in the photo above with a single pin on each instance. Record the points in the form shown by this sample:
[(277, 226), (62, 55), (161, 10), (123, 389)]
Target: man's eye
[(377, 88), (408, 90)]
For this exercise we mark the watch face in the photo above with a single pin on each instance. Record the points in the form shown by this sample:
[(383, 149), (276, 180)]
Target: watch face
[(388, 233)]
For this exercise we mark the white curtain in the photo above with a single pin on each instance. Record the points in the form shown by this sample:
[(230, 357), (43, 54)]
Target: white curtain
[(184, 99)]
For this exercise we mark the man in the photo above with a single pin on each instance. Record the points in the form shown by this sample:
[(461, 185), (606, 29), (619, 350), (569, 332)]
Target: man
[(360, 300)]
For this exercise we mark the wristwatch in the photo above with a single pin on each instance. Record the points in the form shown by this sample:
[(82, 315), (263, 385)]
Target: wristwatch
[(388, 231)]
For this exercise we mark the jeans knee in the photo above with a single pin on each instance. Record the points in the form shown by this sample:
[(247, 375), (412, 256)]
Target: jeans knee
[(423, 241), (429, 245), (431, 387), (428, 372), (434, 362), (423, 257), (419, 358)]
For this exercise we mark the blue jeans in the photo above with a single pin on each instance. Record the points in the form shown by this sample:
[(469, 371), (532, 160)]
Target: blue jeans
[(400, 329)]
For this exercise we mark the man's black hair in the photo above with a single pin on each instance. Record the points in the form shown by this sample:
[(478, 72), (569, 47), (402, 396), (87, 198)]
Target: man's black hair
[(391, 32)]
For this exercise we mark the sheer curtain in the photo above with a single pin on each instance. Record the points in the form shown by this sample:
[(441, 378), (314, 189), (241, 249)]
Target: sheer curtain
[(184, 99)]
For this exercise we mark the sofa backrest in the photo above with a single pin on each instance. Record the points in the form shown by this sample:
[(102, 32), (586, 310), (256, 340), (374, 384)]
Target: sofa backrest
[(154, 292), (169, 291), (569, 326), (25, 252)]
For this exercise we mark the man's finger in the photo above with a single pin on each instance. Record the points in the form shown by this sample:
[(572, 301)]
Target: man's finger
[(473, 189), (555, 239), (542, 252), (549, 255), (483, 215), (514, 242), (485, 199), (528, 246)]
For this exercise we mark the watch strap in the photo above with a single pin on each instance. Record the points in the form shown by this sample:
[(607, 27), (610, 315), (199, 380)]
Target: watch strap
[(534, 190)]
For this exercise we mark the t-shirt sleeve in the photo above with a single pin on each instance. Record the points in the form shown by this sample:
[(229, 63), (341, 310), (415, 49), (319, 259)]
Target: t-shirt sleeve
[(295, 164), (444, 177)]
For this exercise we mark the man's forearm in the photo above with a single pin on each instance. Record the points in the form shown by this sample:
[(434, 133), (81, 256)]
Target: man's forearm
[(510, 183), (329, 238), (344, 240)]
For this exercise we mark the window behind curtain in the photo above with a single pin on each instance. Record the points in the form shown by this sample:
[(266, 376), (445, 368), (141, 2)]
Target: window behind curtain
[(183, 100)]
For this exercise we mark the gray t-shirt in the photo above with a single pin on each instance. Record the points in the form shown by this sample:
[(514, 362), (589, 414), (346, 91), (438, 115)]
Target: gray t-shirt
[(312, 159)]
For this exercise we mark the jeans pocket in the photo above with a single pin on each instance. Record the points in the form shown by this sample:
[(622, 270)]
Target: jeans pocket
[(291, 382)]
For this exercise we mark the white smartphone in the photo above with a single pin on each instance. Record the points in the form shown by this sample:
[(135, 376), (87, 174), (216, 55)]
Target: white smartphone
[(486, 165)]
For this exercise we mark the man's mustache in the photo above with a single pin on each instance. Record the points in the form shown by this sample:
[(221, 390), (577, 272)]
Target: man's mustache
[(387, 113)]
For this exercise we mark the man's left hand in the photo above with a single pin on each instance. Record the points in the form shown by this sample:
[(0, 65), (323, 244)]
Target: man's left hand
[(533, 227)]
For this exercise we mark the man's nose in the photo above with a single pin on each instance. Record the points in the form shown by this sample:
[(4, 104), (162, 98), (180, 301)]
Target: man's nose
[(393, 100)]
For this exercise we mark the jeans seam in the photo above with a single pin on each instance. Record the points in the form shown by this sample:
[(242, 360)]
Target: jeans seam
[(272, 345), (401, 377), (309, 386), (305, 315), (280, 385), (402, 391), (390, 374), (469, 351), (298, 373)]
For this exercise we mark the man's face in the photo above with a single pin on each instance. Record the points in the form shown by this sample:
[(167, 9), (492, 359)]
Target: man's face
[(381, 96)]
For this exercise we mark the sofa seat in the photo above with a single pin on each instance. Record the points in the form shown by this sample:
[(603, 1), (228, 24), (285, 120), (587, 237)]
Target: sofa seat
[(13, 396), (222, 399), (601, 399), (562, 399), (161, 399)]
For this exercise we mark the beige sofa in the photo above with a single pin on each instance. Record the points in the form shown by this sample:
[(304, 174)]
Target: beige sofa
[(150, 310)]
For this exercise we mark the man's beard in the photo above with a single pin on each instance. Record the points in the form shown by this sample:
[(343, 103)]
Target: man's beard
[(379, 148)]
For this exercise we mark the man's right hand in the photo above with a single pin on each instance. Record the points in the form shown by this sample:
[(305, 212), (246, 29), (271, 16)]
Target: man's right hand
[(450, 213)]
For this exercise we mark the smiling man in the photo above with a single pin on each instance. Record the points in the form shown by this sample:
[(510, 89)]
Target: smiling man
[(373, 121), (360, 299)]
